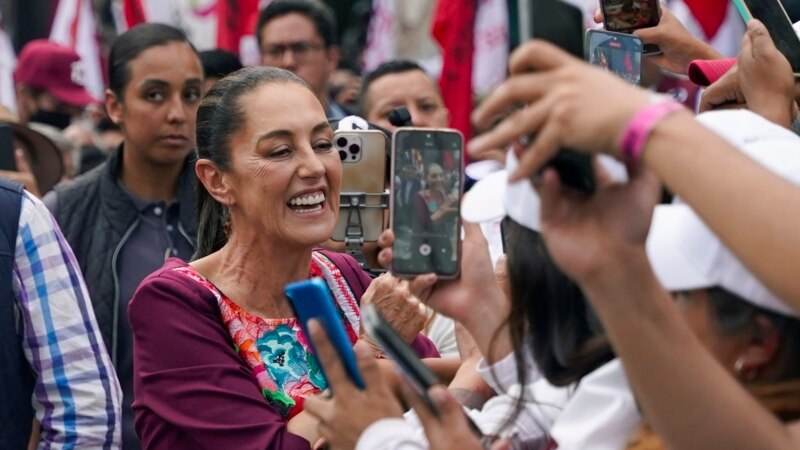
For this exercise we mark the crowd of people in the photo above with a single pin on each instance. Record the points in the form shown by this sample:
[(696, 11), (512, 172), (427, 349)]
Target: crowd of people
[(147, 238)]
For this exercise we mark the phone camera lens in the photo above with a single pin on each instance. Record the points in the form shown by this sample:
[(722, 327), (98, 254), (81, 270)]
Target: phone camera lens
[(342, 155), (341, 142), (355, 148)]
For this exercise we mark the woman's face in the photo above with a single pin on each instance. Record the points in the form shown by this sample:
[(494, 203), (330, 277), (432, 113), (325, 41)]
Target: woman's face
[(285, 175), (435, 178), (158, 112)]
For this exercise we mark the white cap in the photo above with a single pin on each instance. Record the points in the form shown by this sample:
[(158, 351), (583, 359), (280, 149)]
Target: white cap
[(685, 253), (494, 198)]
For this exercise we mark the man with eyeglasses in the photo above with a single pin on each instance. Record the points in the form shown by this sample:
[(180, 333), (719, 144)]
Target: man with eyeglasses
[(300, 36)]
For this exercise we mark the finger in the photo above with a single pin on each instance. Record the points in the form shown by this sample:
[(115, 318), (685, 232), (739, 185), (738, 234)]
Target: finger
[(386, 239), (524, 122), (412, 398), (385, 257), (502, 444), (421, 285), (369, 366), (759, 38), (538, 56), (523, 88), (551, 197), (318, 406), (328, 358), (542, 150), (598, 16)]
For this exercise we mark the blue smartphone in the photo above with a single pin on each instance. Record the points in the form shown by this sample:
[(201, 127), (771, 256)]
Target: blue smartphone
[(311, 299)]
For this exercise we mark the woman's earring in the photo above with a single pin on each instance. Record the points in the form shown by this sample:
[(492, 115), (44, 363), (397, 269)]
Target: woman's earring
[(747, 374)]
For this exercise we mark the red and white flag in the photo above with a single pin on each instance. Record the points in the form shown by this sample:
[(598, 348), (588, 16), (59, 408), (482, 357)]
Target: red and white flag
[(454, 29), (714, 21), (381, 46), (490, 61), (197, 18), (8, 61), (74, 26)]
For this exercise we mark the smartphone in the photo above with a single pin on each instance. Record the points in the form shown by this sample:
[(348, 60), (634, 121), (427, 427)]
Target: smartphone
[(363, 154), (626, 16), (311, 299), (555, 21), (775, 19), (560, 23), (617, 52), (427, 180), (7, 161), (418, 374)]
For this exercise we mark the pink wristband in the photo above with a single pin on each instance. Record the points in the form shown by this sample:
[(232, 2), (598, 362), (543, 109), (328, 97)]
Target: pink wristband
[(642, 124)]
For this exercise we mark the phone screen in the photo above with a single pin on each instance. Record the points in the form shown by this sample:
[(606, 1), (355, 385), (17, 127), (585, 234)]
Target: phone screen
[(7, 161), (616, 52), (629, 15), (777, 22), (426, 197)]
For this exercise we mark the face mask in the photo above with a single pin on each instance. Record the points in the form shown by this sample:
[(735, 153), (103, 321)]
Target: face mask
[(52, 118)]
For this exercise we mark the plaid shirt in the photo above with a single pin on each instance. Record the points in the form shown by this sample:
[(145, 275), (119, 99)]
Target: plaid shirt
[(77, 397)]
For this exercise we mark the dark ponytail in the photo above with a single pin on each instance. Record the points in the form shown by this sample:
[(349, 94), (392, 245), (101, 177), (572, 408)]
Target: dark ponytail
[(219, 117)]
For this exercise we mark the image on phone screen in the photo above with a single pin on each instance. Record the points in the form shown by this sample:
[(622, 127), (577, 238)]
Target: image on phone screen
[(426, 196), (629, 15), (617, 52)]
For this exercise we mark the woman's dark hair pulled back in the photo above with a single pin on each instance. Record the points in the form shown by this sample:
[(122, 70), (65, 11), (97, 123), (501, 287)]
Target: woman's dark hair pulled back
[(549, 313), (131, 44), (219, 117)]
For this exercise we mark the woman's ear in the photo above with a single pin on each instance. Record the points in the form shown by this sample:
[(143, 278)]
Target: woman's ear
[(760, 351), (216, 182), (113, 107)]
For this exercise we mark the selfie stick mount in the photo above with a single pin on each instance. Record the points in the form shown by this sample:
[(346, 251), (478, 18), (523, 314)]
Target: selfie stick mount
[(354, 202)]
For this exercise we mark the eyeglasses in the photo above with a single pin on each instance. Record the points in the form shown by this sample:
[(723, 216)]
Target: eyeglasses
[(300, 50)]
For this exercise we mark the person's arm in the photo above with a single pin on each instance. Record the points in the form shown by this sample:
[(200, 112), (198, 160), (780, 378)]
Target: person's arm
[(77, 395), (192, 389), (680, 151), (677, 382), (600, 243)]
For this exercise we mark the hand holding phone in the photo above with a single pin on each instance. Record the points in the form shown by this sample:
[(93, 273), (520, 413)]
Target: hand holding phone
[(560, 23), (427, 179), (772, 14), (419, 376), (311, 299), (627, 16)]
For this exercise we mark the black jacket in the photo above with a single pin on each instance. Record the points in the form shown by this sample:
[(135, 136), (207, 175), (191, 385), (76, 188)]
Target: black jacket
[(97, 217)]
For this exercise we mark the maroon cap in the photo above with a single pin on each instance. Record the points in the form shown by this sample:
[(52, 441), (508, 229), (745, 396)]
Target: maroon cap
[(54, 68), (705, 72)]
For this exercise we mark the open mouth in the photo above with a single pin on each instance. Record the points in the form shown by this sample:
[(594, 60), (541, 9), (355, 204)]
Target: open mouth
[(307, 203)]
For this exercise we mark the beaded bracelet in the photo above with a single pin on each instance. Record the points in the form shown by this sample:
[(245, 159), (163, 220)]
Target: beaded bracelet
[(642, 125)]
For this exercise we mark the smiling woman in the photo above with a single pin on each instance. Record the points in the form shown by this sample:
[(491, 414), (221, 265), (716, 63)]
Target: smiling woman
[(221, 361)]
